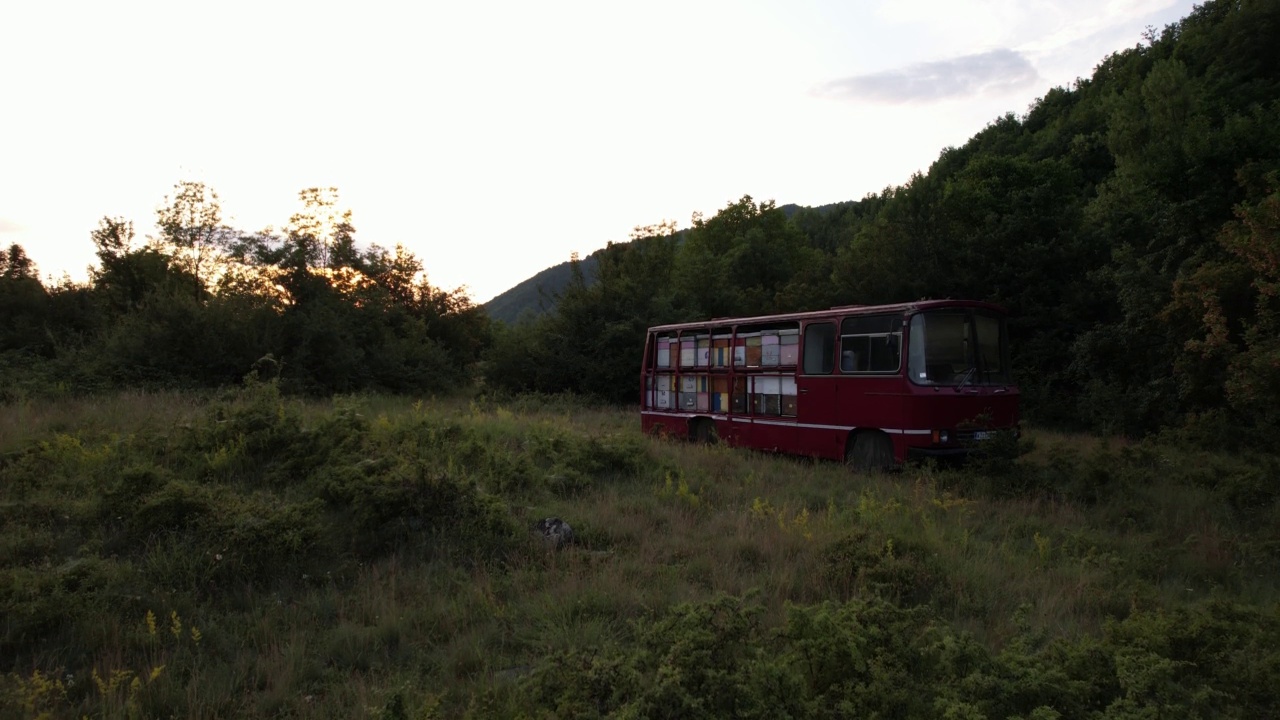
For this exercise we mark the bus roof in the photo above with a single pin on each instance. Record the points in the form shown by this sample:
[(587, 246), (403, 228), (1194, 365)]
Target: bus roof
[(844, 310)]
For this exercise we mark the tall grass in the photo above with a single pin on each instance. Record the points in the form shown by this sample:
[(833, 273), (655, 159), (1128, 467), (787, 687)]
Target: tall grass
[(374, 556)]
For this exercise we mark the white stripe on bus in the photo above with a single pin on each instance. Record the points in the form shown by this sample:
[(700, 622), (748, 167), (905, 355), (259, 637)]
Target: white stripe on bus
[(784, 423)]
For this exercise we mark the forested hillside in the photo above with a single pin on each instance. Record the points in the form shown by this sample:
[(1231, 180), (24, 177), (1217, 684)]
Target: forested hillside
[(1130, 224), (535, 296)]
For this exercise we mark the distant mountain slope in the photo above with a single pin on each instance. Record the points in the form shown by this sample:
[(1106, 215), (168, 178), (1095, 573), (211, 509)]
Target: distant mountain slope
[(535, 296)]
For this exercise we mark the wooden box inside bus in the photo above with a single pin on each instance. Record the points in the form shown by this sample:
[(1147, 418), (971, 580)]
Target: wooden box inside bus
[(809, 383)]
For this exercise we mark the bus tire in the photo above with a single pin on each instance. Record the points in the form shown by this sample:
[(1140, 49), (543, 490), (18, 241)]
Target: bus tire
[(703, 431), (869, 451)]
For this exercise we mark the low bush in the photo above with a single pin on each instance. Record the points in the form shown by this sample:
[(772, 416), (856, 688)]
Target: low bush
[(872, 658), (901, 571), (409, 506)]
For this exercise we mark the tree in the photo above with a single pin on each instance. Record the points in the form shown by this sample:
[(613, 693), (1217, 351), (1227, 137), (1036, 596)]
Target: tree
[(112, 238), (127, 277), (191, 222), (1240, 332), (396, 272), (23, 303), (739, 261), (15, 264), (311, 231), (343, 252)]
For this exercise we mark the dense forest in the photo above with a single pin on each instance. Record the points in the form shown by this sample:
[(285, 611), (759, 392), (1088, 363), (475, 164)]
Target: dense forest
[(1129, 223)]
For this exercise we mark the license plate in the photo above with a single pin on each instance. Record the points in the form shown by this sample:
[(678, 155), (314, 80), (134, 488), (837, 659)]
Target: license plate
[(984, 434)]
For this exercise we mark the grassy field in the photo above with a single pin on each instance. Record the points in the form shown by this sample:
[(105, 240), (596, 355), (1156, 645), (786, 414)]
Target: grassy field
[(257, 556)]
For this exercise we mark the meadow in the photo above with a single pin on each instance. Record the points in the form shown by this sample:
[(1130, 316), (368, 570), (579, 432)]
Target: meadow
[(248, 554)]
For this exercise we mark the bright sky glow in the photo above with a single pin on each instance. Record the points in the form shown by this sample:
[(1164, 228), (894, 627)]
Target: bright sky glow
[(495, 138)]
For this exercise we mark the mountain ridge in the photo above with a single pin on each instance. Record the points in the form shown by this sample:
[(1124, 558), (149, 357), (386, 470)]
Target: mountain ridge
[(536, 295)]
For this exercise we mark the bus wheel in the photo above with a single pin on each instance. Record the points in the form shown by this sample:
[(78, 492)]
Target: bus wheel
[(869, 450), (703, 431)]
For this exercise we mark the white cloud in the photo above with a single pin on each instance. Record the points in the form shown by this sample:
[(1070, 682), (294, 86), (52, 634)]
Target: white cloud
[(990, 73)]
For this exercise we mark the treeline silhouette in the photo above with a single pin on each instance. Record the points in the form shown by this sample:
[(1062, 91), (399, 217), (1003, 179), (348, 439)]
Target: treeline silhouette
[(203, 305)]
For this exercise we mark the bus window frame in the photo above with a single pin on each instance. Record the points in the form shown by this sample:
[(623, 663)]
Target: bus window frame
[(902, 324), (831, 363)]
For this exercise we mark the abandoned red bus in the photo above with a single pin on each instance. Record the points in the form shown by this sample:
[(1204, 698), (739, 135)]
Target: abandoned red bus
[(871, 385)]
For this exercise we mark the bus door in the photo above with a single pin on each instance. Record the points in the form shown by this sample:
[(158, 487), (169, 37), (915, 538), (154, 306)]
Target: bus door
[(874, 394), (821, 428)]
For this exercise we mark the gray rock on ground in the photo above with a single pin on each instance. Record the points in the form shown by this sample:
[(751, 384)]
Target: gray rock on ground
[(555, 532)]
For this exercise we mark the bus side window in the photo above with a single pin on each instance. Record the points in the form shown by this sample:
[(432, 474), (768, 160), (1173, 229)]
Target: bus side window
[(819, 348)]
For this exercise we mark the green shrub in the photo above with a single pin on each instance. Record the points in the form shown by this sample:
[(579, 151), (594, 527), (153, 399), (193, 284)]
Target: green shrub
[(126, 492), (254, 436), (699, 660), (997, 456), (900, 571), (42, 606), (870, 658), (260, 536), (177, 507), (1215, 659), (410, 505)]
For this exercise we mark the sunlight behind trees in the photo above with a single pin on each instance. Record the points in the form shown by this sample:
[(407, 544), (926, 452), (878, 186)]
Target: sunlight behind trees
[(202, 304)]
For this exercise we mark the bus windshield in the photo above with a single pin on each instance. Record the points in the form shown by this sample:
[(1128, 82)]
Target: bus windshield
[(958, 348)]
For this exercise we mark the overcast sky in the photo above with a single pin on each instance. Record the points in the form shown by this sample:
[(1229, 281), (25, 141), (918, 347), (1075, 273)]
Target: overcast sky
[(494, 139)]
